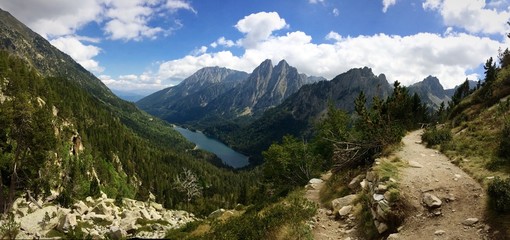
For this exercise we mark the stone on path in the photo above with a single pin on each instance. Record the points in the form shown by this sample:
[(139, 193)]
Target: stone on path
[(338, 203), (415, 164), (431, 201), (439, 232), (470, 221)]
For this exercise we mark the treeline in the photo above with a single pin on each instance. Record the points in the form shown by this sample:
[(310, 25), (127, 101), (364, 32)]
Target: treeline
[(126, 153)]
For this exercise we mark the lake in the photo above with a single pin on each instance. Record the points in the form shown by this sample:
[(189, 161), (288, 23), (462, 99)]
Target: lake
[(222, 151)]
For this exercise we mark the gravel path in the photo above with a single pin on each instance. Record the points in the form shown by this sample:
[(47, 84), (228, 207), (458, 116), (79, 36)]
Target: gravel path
[(462, 197)]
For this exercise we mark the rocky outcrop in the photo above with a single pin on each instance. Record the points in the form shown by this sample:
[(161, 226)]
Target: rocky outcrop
[(98, 218)]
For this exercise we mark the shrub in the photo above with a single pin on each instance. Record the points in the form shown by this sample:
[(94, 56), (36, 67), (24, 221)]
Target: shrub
[(504, 144), (434, 136), (10, 228), (499, 195)]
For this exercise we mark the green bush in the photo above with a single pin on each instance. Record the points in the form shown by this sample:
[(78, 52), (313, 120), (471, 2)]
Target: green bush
[(504, 144), (499, 195), (434, 136)]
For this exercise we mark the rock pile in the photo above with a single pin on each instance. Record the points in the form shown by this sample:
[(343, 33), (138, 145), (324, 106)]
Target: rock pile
[(98, 218)]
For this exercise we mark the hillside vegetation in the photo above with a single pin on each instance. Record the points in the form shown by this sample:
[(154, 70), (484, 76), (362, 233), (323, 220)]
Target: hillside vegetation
[(56, 136)]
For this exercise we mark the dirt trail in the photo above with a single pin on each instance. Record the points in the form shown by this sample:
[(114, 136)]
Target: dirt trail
[(462, 197)]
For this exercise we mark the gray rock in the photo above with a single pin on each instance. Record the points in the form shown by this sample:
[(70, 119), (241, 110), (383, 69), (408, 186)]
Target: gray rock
[(370, 176), (67, 222), (378, 197), (356, 181), (315, 181), (338, 203), (156, 206), (217, 213), (381, 227), (414, 164), (102, 208), (393, 236), (431, 201), (364, 184), (381, 188), (115, 232), (145, 214), (345, 210), (80, 207), (470, 221)]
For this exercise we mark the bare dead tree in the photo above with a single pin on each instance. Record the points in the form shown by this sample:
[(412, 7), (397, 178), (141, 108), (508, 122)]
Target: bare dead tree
[(187, 183), (348, 154)]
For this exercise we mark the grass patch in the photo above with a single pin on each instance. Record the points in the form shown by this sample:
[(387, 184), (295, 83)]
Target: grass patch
[(337, 185)]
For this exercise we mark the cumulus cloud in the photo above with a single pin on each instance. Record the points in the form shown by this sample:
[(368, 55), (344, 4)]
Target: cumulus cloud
[(81, 53), (475, 16), (121, 20), (387, 4), (222, 41), (259, 26), (451, 57)]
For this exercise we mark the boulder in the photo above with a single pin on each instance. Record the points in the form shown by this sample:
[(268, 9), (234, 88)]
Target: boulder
[(393, 236), (381, 188), (364, 184), (115, 232), (381, 227), (154, 214), (356, 181), (80, 208), (31, 223), (378, 197), (431, 201), (67, 222), (102, 208), (315, 181), (217, 213), (345, 210), (338, 203), (156, 206), (145, 214)]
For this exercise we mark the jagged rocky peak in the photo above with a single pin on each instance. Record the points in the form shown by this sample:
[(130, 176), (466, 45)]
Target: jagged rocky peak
[(210, 74)]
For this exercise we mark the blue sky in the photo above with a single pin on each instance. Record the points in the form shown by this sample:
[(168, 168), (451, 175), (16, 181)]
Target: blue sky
[(145, 45)]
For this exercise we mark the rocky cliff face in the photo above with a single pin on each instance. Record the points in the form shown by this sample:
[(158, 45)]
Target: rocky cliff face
[(215, 92), (187, 100), (431, 92), (266, 87)]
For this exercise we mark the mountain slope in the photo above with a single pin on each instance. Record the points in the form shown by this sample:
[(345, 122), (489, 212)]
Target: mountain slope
[(214, 95), (431, 92), (99, 141), (297, 114), (187, 100)]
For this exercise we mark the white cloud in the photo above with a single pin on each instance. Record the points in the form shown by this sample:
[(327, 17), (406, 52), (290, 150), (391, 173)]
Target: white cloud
[(222, 41), (259, 26), (81, 53), (409, 59), (316, 1), (336, 12), (54, 17), (333, 36), (175, 5), (475, 16), (387, 4)]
